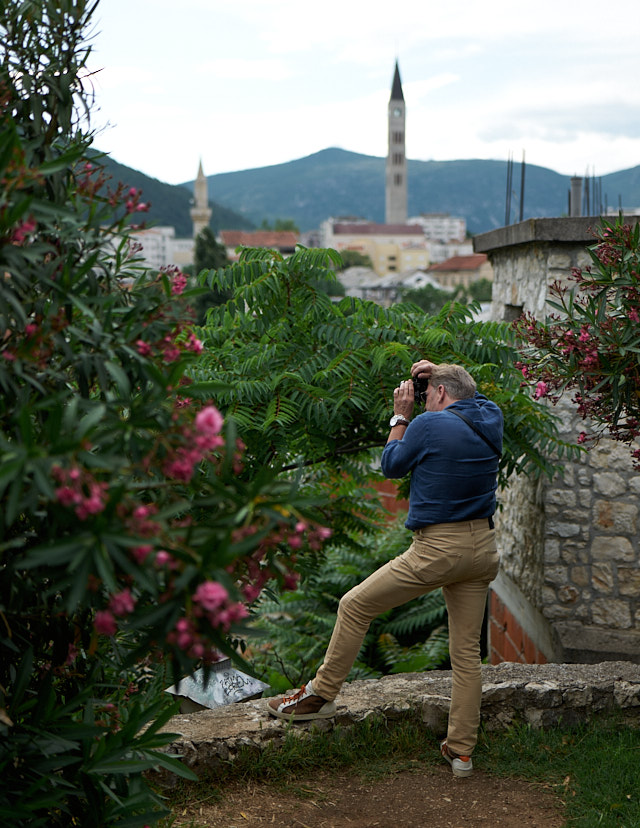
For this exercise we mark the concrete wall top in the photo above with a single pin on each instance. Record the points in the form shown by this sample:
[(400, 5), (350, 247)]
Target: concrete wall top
[(577, 230)]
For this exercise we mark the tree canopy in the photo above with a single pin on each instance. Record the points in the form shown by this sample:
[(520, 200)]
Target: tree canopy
[(309, 381)]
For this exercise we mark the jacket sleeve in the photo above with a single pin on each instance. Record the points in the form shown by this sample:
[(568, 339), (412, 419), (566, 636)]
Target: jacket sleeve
[(400, 456)]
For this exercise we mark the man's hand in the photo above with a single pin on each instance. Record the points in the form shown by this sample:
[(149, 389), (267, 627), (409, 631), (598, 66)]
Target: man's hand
[(422, 368), (403, 399)]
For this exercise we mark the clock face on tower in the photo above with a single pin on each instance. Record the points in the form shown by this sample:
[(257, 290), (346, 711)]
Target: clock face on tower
[(397, 112)]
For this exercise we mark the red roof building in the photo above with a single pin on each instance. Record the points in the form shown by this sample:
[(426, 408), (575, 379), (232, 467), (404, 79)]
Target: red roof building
[(462, 270)]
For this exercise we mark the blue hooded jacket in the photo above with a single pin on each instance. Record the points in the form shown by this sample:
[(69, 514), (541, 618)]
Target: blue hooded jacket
[(453, 471)]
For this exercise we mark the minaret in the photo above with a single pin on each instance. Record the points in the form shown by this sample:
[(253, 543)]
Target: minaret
[(396, 186), (200, 212)]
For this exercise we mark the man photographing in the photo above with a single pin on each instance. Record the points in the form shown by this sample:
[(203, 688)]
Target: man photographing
[(452, 451)]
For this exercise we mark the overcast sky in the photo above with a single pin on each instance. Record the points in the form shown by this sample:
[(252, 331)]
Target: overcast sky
[(258, 82)]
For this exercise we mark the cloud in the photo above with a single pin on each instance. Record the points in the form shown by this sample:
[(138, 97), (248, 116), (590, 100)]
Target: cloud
[(230, 68)]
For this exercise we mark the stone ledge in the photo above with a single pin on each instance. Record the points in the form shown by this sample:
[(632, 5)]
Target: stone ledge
[(541, 695)]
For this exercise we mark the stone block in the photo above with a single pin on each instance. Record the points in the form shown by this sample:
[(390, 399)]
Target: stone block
[(585, 498), (435, 713), (560, 497), (616, 548), (611, 613), (602, 577), (579, 575), (568, 594), (610, 484), (620, 518), (562, 529), (629, 581), (626, 694)]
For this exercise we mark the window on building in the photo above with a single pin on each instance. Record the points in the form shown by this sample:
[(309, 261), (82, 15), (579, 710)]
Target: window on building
[(397, 179)]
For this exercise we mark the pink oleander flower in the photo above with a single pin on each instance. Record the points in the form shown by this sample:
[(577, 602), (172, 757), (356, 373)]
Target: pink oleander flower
[(209, 420), (141, 553), (180, 467), (324, 532), (66, 496), (163, 558), (171, 352), (226, 617), (294, 541), (582, 437), (633, 316), (584, 335), (291, 580), (251, 592), (122, 603), (94, 504), (30, 329), (194, 344), (22, 231), (179, 283), (210, 595), (144, 349), (105, 623), (541, 390)]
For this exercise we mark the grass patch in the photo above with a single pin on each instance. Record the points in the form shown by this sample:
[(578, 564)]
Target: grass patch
[(592, 767)]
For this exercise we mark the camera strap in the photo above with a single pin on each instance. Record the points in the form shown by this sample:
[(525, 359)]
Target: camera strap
[(477, 431)]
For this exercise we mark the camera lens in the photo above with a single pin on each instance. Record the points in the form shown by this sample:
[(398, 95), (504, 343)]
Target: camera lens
[(420, 385)]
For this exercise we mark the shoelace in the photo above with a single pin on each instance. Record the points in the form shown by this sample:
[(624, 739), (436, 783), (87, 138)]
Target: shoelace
[(295, 696)]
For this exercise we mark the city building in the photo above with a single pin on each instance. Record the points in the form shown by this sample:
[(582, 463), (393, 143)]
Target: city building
[(284, 241), (462, 271), (441, 227), (392, 248)]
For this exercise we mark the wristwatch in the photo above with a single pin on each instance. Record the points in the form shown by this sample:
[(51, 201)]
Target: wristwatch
[(398, 419)]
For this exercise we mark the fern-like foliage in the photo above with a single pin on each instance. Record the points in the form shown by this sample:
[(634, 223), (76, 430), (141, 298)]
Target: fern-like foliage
[(293, 628), (310, 380)]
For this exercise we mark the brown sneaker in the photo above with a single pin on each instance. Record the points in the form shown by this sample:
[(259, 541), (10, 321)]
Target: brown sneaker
[(460, 765), (302, 706)]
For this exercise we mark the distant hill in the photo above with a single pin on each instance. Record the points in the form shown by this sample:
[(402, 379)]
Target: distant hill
[(170, 203), (335, 182)]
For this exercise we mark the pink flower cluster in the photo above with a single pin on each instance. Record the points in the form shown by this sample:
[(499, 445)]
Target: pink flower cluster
[(79, 489), (121, 604), (211, 603), (257, 569), (133, 203), (199, 441), (169, 347), (23, 230)]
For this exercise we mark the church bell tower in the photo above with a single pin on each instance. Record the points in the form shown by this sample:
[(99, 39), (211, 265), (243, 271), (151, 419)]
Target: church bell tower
[(396, 173)]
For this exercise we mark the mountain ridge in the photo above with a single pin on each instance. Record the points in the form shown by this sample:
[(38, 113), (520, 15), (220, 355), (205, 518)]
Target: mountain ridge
[(336, 182)]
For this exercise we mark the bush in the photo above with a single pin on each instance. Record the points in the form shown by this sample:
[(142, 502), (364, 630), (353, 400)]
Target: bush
[(129, 540), (590, 346)]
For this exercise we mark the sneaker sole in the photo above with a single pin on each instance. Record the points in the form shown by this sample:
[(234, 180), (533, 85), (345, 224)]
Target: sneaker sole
[(327, 711)]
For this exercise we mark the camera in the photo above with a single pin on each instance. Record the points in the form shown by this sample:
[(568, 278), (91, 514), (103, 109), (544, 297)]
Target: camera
[(420, 389)]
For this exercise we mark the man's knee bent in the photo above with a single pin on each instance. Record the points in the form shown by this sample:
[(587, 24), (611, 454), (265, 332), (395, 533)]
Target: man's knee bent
[(353, 609)]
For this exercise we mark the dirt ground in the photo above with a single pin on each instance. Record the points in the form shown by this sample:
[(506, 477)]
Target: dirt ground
[(417, 798)]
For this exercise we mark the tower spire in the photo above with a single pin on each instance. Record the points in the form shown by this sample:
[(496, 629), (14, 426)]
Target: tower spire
[(396, 168)]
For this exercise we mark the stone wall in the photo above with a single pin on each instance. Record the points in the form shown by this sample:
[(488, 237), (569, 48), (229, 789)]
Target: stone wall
[(541, 696), (569, 586)]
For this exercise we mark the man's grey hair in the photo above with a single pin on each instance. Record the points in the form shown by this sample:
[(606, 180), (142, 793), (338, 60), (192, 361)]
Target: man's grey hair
[(457, 382)]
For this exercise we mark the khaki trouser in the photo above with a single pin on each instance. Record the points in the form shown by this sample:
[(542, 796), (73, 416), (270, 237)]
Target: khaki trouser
[(462, 559)]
